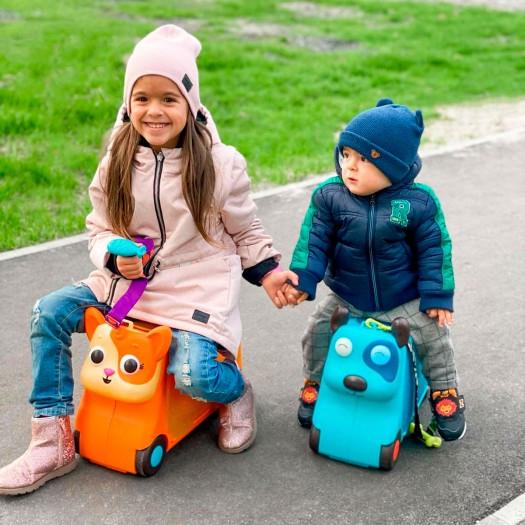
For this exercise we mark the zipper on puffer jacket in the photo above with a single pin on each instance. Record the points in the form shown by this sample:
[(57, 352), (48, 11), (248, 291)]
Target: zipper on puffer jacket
[(159, 163), (371, 229)]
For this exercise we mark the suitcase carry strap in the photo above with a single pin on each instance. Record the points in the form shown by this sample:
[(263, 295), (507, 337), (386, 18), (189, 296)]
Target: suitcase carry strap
[(142, 247), (417, 430), (401, 331)]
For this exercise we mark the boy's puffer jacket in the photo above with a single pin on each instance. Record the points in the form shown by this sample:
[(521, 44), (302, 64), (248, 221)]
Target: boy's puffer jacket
[(376, 252)]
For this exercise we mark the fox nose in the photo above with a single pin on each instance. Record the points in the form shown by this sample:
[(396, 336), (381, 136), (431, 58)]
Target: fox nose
[(356, 383), (109, 372)]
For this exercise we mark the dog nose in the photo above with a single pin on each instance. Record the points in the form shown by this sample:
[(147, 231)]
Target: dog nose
[(356, 383), (109, 372)]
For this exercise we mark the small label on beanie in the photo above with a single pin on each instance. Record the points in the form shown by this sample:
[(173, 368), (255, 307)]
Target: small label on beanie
[(187, 83)]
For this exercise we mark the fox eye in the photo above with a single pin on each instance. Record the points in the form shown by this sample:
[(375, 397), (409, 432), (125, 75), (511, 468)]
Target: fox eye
[(129, 364), (96, 355)]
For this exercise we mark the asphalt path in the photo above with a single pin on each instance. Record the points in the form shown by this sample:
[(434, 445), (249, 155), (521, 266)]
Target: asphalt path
[(279, 480)]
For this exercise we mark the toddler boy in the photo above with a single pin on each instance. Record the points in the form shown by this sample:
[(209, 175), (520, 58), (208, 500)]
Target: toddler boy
[(379, 241)]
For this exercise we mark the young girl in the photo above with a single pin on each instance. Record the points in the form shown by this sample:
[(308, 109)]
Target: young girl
[(166, 176)]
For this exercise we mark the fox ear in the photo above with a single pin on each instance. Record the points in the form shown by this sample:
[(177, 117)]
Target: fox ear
[(92, 318), (160, 339)]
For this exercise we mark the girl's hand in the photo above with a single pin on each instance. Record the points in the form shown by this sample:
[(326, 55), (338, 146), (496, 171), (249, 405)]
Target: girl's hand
[(130, 267), (444, 317), (273, 283)]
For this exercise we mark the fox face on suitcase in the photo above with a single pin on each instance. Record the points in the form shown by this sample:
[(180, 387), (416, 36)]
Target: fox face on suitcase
[(366, 396)]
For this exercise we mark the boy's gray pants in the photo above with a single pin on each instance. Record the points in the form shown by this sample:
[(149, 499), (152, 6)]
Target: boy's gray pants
[(433, 343)]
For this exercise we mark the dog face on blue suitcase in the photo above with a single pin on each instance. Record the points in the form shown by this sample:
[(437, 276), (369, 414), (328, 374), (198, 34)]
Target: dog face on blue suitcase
[(364, 357)]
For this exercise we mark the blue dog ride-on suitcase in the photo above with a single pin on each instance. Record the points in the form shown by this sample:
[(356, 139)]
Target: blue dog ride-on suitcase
[(367, 397)]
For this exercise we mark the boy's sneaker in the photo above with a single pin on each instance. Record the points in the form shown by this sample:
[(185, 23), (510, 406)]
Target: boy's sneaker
[(448, 407), (307, 399)]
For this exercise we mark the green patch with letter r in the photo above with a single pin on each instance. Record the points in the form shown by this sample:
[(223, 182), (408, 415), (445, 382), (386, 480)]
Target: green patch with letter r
[(400, 209)]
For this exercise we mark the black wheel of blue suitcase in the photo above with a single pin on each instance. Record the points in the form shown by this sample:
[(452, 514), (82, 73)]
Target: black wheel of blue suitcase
[(315, 434), (389, 455)]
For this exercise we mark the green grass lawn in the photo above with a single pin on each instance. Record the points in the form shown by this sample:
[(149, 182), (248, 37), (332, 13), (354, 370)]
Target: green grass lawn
[(279, 101)]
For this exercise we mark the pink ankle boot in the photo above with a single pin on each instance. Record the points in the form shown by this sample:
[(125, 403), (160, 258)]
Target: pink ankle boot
[(237, 423), (50, 454)]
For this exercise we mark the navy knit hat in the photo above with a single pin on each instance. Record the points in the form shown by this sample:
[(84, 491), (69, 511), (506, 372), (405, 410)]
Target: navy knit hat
[(388, 136)]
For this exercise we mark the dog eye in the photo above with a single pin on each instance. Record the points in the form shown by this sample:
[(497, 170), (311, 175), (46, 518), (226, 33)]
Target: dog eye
[(129, 364), (343, 346), (380, 355), (96, 355)]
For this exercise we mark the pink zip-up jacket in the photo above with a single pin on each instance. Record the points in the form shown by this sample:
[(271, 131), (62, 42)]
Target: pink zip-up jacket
[(196, 285)]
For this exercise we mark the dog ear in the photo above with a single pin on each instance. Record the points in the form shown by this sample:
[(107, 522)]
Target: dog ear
[(92, 318), (160, 339), (339, 317), (401, 330)]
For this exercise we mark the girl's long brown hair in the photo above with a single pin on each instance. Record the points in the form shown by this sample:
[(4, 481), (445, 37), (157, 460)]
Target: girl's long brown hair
[(198, 176)]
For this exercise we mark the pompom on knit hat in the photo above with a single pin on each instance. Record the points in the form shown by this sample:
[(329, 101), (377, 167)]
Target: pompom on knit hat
[(171, 52), (388, 136)]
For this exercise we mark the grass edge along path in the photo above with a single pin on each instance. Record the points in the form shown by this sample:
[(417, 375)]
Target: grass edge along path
[(275, 92)]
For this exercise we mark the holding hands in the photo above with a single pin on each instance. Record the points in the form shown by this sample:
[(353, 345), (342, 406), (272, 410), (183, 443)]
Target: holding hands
[(293, 295), (280, 287)]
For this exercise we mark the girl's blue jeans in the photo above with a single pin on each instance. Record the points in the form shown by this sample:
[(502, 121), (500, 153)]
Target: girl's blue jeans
[(192, 357)]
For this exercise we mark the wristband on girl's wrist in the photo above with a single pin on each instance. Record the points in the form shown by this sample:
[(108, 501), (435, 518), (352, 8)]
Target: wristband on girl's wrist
[(278, 268)]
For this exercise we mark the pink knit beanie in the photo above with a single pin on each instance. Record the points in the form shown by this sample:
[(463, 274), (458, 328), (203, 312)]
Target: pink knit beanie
[(171, 52)]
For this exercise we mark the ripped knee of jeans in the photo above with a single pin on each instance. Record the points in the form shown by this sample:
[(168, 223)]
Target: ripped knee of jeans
[(35, 313), (185, 374), (183, 378), (191, 386)]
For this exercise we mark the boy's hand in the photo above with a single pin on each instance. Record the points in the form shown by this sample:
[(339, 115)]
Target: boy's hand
[(293, 295), (130, 267), (444, 317), (273, 283)]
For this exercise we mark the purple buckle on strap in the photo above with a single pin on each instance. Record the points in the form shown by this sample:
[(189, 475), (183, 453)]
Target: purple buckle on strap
[(123, 306)]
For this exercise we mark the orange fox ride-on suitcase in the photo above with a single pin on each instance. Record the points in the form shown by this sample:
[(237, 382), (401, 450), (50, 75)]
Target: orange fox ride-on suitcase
[(130, 413)]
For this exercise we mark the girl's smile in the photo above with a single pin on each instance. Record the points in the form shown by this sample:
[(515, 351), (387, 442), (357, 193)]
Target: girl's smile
[(159, 111)]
